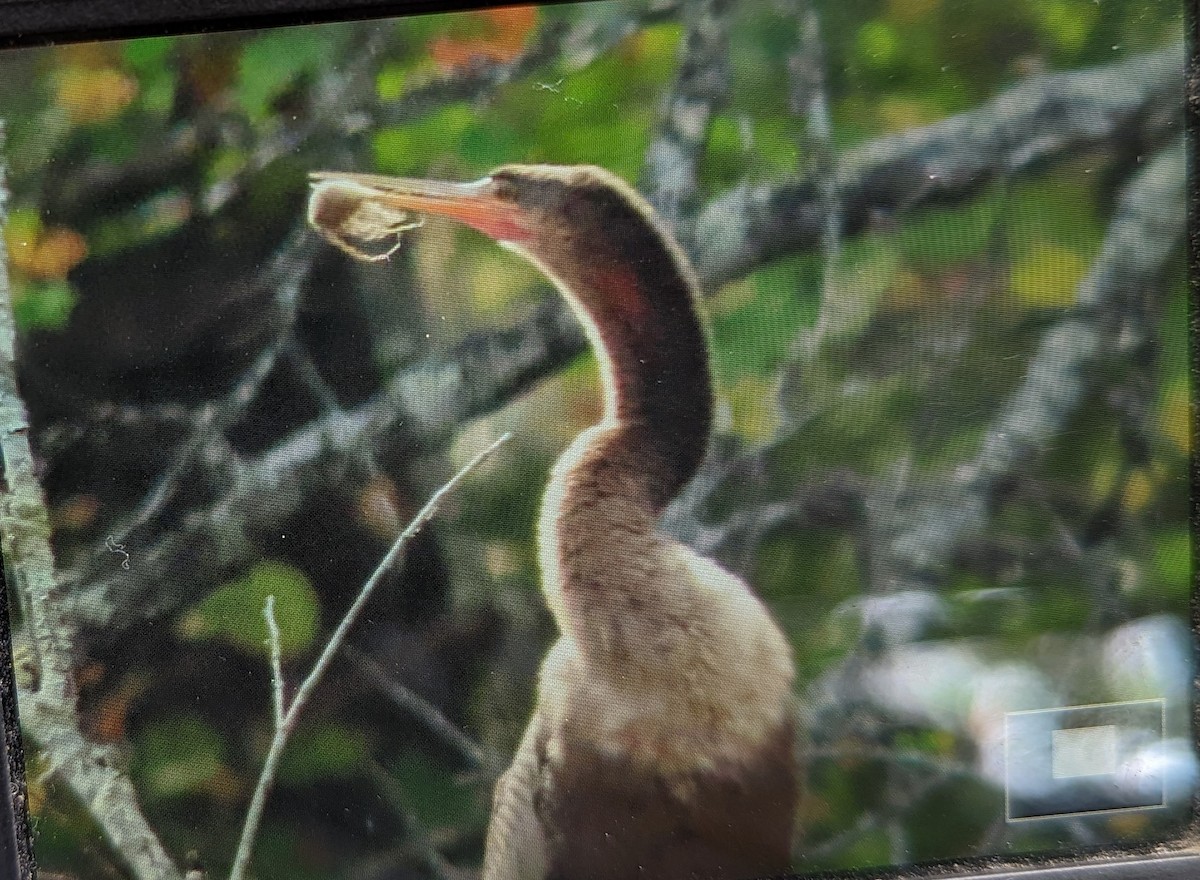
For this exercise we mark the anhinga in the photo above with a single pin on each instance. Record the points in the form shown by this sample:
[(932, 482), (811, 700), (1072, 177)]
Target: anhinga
[(661, 745)]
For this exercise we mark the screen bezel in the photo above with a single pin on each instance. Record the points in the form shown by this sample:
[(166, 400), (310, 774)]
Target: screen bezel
[(41, 22)]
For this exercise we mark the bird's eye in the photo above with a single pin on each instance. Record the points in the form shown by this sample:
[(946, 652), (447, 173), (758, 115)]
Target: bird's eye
[(504, 186)]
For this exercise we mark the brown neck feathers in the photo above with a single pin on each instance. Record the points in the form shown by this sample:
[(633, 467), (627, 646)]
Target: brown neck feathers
[(635, 292)]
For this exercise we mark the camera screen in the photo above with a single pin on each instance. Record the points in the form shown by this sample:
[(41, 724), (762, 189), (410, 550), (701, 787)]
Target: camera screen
[(657, 438)]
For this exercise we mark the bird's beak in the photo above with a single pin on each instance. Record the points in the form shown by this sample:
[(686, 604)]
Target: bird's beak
[(352, 208)]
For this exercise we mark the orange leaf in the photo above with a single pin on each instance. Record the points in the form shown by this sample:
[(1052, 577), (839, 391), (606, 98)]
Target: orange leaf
[(512, 24), (77, 512), (504, 34), (111, 712), (381, 509), (59, 251), (45, 253)]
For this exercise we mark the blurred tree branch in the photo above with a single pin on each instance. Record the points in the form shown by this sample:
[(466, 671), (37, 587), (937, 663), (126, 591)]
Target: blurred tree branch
[(670, 169), (1103, 327), (344, 104), (1042, 120), (919, 535)]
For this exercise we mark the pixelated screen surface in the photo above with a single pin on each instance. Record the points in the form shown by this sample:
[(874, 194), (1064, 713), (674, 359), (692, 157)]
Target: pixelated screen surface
[(837, 358)]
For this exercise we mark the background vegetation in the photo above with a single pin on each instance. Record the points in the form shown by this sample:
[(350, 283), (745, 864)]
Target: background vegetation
[(954, 422)]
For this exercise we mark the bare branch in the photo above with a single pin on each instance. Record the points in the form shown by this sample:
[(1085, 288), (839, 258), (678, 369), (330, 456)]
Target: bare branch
[(290, 717), (275, 644), (418, 844), (431, 400), (48, 698), (806, 69), (287, 272), (921, 536), (431, 718)]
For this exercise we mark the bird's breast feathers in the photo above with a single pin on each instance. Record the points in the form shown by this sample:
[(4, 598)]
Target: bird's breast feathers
[(709, 695)]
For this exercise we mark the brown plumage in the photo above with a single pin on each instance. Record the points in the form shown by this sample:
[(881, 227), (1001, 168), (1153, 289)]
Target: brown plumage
[(661, 745)]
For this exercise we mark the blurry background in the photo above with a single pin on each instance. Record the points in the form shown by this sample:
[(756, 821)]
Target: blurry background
[(942, 247)]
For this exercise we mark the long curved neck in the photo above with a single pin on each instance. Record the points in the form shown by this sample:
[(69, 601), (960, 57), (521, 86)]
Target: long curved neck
[(602, 566), (636, 298), (658, 394)]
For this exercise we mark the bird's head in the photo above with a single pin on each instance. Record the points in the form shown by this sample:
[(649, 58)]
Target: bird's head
[(598, 241), (571, 221)]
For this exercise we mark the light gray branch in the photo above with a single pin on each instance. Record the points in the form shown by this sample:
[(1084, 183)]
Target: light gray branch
[(1041, 120), (286, 275), (441, 728), (669, 175), (809, 97), (46, 692), (920, 535)]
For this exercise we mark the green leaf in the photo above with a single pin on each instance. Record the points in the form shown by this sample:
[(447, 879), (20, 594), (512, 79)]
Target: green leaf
[(44, 305), (878, 44), (150, 60), (484, 146), (390, 82), (1059, 209), (1173, 561), (755, 321), (943, 237), (273, 63), (22, 227), (331, 751), (433, 801), (234, 612), (177, 755), (411, 148), (147, 53), (1047, 275), (862, 275), (1067, 23)]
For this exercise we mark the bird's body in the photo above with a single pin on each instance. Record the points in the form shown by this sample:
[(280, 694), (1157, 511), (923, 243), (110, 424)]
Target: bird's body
[(661, 744)]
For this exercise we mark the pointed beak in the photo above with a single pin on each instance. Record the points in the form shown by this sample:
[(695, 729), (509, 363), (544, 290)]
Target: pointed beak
[(368, 207)]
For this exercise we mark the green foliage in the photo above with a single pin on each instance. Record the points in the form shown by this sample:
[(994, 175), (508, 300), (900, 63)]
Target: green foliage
[(435, 802), (278, 60), (755, 321), (954, 814), (405, 149), (390, 82), (234, 612), (878, 45), (1066, 24), (150, 60), (863, 273), (43, 305), (1173, 563), (945, 237), (177, 755), (325, 751)]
